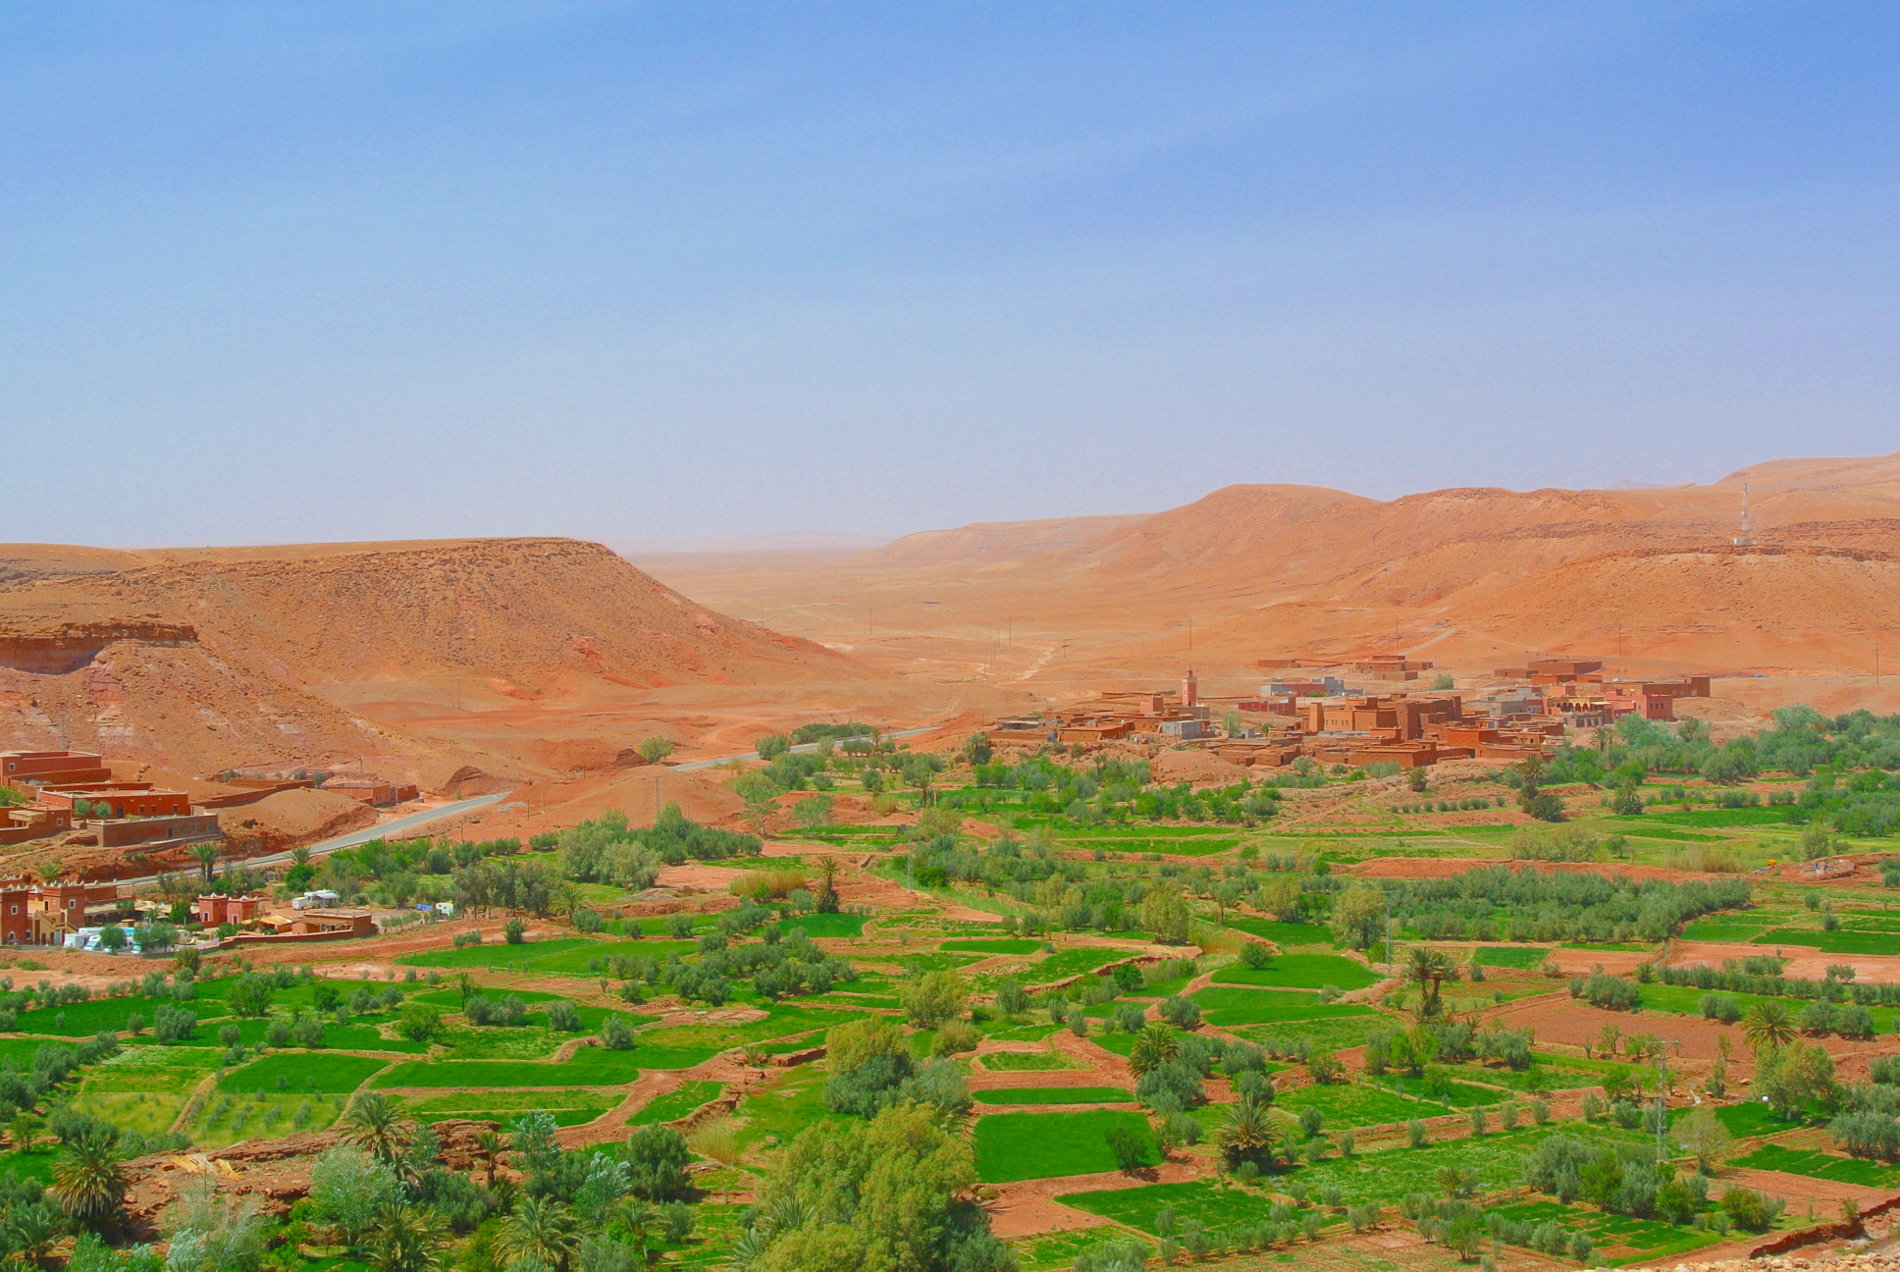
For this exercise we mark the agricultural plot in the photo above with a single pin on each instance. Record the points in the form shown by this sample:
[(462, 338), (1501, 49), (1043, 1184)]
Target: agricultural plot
[(1056, 1095), (1630, 1239), (302, 1073), (1284, 935), (674, 1104), (1028, 1061), (1512, 956), (567, 1107), (1301, 971), (1011, 1146), (593, 1066), (1220, 1209), (1355, 1105), (1818, 1165)]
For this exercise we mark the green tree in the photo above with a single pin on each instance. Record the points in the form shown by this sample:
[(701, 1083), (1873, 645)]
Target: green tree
[(377, 1126), (349, 1189), (206, 855), (1165, 914), (543, 1228), (1768, 1026), (1358, 917), (1703, 1134), (760, 795), (1155, 1046), (1428, 969), (772, 745), (406, 1239), (932, 998), (812, 812), (89, 1179), (890, 1195), (655, 748), (421, 1022)]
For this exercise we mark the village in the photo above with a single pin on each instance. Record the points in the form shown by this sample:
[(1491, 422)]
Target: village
[(1313, 709)]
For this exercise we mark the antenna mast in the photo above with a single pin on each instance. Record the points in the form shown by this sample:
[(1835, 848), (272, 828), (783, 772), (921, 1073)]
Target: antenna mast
[(1747, 535)]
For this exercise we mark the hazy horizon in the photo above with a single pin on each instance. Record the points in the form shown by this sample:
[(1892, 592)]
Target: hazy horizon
[(638, 272)]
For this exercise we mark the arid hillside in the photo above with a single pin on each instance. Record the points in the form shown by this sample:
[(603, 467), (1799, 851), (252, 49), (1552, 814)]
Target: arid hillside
[(1473, 578), (524, 655)]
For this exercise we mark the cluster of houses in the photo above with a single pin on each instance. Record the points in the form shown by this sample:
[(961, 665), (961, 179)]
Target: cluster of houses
[(1310, 710), (73, 790)]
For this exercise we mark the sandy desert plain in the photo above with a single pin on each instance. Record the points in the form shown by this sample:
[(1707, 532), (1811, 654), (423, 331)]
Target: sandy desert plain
[(766, 956)]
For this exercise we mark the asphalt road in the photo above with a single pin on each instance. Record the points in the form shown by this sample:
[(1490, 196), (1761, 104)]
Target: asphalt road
[(356, 837), (413, 820)]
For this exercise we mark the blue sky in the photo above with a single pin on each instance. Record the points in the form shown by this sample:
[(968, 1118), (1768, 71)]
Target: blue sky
[(286, 272)]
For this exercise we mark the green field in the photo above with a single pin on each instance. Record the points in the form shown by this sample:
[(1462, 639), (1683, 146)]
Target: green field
[(1056, 1095), (302, 1073), (1220, 1209), (1352, 1105), (1839, 941), (592, 1066), (994, 945), (1028, 1061), (1284, 935), (1301, 971), (1637, 1239), (1815, 1165), (1012, 1146), (825, 926), (674, 1104), (1518, 956)]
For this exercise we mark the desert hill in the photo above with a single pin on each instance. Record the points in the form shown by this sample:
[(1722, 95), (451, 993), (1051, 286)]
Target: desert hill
[(1470, 577), (516, 653)]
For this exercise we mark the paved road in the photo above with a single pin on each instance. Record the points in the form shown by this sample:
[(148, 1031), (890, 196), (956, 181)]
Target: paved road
[(384, 829), (363, 836)]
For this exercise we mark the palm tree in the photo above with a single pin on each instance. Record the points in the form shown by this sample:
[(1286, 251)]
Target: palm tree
[(88, 1181), (49, 871), (1428, 969), (1456, 1181), (1768, 1026), (206, 855), (1155, 1045), (32, 1230), (540, 1228), (1246, 1133), (406, 1239), (489, 1146), (373, 1123)]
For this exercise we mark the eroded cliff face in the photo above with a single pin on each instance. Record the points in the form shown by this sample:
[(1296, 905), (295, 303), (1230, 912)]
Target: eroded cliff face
[(55, 648), (203, 660)]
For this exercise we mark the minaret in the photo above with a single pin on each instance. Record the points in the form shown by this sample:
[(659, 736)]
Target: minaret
[(1747, 535), (1190, 689)]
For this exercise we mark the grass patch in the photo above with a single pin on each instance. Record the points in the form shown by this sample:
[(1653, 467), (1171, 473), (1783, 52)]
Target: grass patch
[(1029, 1061), (1512, 956), (674, 1104), (1219, 1209), (1349, 1105), (1011, 1146), (994, 945), (302, 1073), (1056, 1095), (1301, 971), (1281, 933), (816, 926), (1817, 1165), (1840, 941), (592, 1066)]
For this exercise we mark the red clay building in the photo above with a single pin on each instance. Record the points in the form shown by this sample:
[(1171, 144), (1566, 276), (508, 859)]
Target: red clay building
[(50, 768), (125, 799), (214, 910)]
